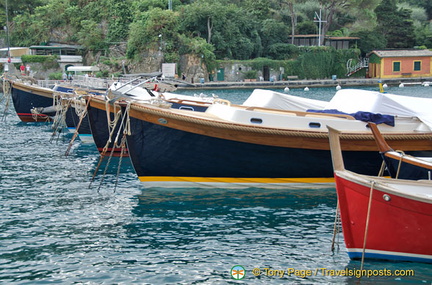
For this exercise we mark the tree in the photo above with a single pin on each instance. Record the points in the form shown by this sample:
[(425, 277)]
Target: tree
[(28, 30), (273, 32), (358, 9), (91, 35), (293, 20), (18, 7), (395, 25), (119, 21), (427, 5), (232, 30), (293, 14), (153, 29), (424, 35), (369, 40)]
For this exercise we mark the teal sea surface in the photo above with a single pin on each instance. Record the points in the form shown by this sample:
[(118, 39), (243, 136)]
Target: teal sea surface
[(58, 228)]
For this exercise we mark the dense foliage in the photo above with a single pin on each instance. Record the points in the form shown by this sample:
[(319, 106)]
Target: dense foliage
[(218, 29)]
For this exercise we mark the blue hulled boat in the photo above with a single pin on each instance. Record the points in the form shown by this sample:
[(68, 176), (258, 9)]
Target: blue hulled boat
[(240, 145)]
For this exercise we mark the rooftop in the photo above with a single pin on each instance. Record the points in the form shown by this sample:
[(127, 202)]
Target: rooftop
[(402, 52)]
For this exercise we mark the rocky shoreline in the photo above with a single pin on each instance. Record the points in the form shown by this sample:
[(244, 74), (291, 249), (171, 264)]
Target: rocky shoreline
[(307, 83)]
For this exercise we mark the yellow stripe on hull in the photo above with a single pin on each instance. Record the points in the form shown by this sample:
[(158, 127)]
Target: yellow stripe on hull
[(236, 180)]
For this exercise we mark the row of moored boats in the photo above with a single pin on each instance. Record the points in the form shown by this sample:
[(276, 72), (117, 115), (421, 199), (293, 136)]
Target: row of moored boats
[(272, 140)]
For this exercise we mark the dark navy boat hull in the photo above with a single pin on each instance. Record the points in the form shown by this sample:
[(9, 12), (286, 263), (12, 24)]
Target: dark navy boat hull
[(184, 154), (25, 101)]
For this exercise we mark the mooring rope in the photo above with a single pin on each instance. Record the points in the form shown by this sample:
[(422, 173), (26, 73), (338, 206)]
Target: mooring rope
[(382, 168), (122, 146), (76, 133), (126, 132), (111, 123), (106, 168), (62, 106), (335, 227), (80, 105), (400, 163), (111, 127), (367, 224), (7, 95)]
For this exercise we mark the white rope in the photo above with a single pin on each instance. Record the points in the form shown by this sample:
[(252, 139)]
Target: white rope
[(367, 224), (62, 106), (7, 92), (80, 106), (335, 227), (76, 133), (400, 162)]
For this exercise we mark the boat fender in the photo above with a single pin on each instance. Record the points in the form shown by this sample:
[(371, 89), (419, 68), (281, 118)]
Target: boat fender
[(156, 88)]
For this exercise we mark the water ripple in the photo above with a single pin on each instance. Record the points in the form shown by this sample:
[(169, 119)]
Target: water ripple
[(55, 229)]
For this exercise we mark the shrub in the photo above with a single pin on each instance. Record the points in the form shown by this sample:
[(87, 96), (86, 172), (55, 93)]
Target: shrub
[(251, 74), (39, 58), (55, 76)]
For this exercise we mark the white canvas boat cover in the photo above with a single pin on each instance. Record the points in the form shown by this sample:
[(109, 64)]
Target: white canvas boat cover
[(276, 100), (352, 100)]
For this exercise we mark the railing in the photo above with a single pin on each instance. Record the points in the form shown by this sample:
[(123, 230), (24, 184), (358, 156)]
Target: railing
[(16, 59), (49, 83), (79, 81), (351, 68), (85, 82), (91, 82)]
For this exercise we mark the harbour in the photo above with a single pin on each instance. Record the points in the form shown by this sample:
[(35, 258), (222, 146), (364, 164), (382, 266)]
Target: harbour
[(58, 228)]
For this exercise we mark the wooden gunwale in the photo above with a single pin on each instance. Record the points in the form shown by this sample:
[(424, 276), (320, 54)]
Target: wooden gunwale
[(408, 159), (45, 92), (386, 185)]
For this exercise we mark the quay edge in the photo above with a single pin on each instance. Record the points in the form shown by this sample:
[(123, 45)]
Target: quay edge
[(306, 83)]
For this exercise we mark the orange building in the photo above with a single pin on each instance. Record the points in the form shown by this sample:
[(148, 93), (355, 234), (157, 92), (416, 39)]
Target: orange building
[(400, 63)]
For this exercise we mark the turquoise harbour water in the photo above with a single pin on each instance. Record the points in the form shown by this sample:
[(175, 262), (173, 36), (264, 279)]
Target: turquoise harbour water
[(56, 228)]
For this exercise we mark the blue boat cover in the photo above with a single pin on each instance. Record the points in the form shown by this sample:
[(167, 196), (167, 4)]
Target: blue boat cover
[(362, 116)]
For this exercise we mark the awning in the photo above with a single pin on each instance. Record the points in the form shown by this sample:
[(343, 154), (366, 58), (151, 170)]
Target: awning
[(83, 68)]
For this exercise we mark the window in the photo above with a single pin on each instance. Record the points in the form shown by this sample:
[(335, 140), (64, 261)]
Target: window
[(396, 66), (417, 65), (256, 120)]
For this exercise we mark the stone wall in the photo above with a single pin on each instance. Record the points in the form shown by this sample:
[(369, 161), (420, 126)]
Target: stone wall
[(39, 71), (193, 68), (236, 72)]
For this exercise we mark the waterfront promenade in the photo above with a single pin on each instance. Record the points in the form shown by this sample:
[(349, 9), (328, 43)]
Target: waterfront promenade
[(345, 82)]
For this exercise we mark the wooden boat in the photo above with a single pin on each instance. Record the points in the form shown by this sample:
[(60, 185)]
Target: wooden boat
[(382, 218), (399, 164), (106, 119), (28, 97), (34, 103), (244, 146)]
